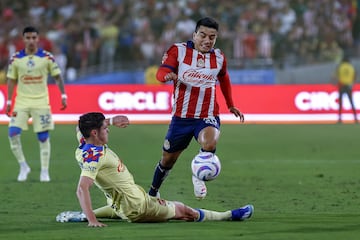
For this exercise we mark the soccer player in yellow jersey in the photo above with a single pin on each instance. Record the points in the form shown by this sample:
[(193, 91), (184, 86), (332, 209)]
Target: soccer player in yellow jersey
[(126, 200), (29, 70), (346, 76)]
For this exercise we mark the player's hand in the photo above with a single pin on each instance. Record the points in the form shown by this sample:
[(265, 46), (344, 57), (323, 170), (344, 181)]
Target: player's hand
[(8, 110), (96, 224), (63, 103), (120, 121), (170, 76), (237, 113)]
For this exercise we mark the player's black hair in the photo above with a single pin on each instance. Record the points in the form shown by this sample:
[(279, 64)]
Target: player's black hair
[(30, 29), (207, 22), (90, 121)]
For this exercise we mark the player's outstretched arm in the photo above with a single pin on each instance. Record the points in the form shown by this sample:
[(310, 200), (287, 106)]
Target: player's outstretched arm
[(120, 121), (84, 198), (237, 113)]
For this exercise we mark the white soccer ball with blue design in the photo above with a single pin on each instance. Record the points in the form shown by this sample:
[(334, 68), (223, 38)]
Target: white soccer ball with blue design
[(206, 166)]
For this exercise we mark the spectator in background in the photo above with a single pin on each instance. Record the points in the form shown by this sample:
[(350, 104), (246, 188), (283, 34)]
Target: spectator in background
[(61, 60), (4, 50), (264, 44), (109, 34), (356, 33), (278, 16), (249, 43), (148, 47), (346, 76), (329, 50), (90, 44), (44, 42), (184, 26)]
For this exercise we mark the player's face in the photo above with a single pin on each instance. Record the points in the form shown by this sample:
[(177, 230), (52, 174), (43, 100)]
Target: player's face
[(103, 134), (31, 39), (204, 39)]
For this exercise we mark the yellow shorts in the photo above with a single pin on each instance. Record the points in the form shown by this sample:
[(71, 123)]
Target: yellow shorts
[(41, 119), (154, 210)]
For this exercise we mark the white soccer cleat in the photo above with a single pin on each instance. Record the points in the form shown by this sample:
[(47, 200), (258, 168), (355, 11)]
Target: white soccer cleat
[(71, 216), (200, 190), (24, 171), (44, 176)]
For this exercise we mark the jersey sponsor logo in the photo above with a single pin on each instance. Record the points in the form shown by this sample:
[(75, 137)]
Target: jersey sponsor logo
[(197, 78), (27, 79), (92, 154), (87, 167)]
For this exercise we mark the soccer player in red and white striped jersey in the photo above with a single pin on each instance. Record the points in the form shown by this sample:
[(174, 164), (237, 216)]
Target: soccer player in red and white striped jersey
[(194, 67)]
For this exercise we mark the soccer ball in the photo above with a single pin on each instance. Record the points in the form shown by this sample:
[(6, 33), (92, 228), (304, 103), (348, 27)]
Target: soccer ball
[(206, 166)]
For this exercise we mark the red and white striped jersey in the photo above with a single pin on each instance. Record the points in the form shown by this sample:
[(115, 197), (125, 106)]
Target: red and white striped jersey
[(195, 90)]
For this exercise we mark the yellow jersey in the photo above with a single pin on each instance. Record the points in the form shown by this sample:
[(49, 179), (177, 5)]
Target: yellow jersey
[(31, 73), (111, 176), (346, 73)]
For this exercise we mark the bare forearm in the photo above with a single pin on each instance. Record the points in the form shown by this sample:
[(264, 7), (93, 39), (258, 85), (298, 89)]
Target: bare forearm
[(85, 203), (10, 85), (59, 81)]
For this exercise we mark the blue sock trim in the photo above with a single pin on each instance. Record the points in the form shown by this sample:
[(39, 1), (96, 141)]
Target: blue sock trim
[(201, 215), (43, 136), (13, 131)]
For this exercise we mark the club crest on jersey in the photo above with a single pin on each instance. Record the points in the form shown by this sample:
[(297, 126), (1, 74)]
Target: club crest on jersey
[(200, 63), (92, 154), (166, 144), (30, 63)]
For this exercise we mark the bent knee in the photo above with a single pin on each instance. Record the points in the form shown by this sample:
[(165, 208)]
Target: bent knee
[(13, 131), (43, 136)]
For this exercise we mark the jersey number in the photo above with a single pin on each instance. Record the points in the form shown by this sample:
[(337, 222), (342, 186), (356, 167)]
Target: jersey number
[(211, 121), (45, 119)]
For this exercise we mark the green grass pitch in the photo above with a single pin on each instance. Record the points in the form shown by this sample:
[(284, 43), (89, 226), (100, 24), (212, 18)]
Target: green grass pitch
[(303, 180)]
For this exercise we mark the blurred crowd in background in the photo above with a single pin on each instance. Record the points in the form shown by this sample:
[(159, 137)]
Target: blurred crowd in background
[(88, 36)]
